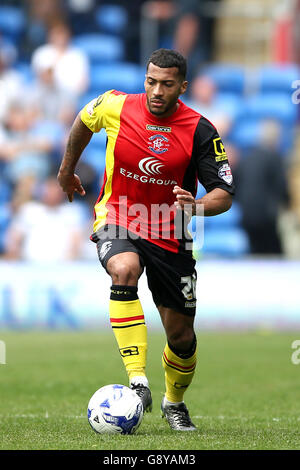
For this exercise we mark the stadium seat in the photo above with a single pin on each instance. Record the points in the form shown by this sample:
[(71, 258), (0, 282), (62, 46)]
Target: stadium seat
[(94, 154), (223, 234), (99, 140), (5, 217), (233, 242), (5, 189), (100, 48), (277, 78), (127, 77), (12, 22), (112, 19), (231, 102), (227, 220), (200, 191), (25, 70), (246, 134), (228, 78), (96, 159), (278, 106)]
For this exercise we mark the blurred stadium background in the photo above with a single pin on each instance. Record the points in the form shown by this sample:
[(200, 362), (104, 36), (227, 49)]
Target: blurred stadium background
[(243, 57)]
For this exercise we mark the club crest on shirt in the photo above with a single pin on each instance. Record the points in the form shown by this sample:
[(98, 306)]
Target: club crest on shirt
[(158, 143)]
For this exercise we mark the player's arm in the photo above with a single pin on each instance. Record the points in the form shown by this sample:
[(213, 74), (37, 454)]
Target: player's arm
[(213, 170), (79, 137), (213, 203), (89, 120)]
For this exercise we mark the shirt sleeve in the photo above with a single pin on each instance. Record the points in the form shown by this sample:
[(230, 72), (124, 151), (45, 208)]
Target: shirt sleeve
[(94, 114), (210, 158)]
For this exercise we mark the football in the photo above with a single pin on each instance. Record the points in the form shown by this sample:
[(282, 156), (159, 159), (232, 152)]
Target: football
[(115, 409)]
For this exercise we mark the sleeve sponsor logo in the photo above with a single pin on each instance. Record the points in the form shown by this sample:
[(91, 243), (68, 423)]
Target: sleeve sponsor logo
[(220, 153), (225, 173), (98, 101), (90, 107), (93, 104)]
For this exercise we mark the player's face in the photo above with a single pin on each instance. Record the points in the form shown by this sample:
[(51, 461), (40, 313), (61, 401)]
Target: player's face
[(163, 87)]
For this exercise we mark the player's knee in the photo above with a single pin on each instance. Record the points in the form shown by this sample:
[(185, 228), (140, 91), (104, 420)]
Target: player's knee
[(125, 274), (182, 339)]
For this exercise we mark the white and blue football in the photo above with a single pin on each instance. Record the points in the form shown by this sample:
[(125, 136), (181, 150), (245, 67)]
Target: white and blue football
[(115, 409)]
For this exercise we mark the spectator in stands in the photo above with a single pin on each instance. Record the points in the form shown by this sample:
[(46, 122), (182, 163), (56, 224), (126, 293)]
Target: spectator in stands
[(184, 22), (41, 16), (81, 15), (188, 32), (51, 102), (204, 100), (71, 71), (48, 230), (26, 148), (262, 191), (10, 80)]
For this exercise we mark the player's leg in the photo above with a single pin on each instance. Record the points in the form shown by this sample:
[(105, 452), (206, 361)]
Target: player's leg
[(126, 314), (172, 281), (179, 356), (179, 362)]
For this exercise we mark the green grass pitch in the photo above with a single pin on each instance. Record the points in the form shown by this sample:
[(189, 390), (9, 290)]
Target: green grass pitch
[(245, 393)]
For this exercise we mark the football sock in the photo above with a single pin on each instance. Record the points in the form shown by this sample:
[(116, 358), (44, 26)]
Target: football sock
[(167, 402), (139, 380), (179, 371), (128, 323)]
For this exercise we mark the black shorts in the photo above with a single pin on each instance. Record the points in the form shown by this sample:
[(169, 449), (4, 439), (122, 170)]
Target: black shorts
[(171, 276)]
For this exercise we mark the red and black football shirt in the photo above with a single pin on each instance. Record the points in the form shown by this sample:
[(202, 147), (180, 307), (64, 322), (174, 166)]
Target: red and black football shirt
[(146, 157)]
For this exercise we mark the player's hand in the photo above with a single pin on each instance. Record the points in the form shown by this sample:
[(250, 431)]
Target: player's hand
[(184, 201), (70, 184)]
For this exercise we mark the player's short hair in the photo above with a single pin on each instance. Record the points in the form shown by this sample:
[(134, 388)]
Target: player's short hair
[(166, 58)]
